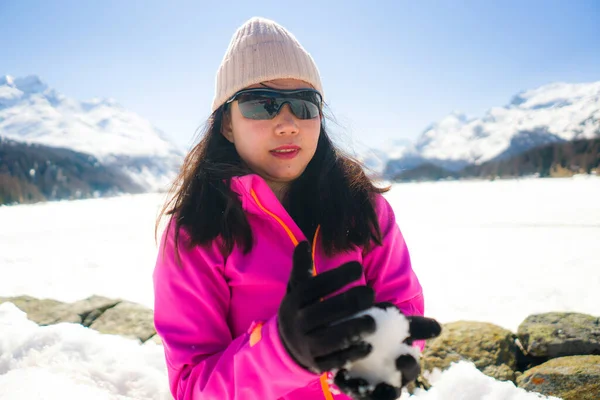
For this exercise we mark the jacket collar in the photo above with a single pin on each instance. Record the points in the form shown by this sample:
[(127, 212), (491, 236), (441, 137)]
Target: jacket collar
[(258, 199), (245, 185)]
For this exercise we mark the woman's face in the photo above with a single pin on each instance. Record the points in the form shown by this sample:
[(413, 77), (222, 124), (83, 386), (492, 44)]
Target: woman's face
[(258, 141)]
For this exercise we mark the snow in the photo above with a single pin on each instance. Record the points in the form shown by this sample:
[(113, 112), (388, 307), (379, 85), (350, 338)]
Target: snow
[(392, 328), (464, 382), (69, 361), (29, 84), (500, 251), (98, 246), (98, 127), (7, 80), (486, 251)]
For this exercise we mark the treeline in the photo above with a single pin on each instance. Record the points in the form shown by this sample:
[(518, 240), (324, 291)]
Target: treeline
[(30, 173), (561, 159)]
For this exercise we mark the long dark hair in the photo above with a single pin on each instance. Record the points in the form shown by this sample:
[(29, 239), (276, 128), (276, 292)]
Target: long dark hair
[(333, 192)]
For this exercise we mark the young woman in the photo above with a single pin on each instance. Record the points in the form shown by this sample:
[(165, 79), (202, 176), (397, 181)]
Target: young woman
[(275, 241)]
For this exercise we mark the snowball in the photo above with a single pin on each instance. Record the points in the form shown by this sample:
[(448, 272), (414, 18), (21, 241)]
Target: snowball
[(392, 327)]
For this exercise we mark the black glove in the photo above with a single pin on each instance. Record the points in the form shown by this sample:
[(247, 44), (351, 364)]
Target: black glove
[(420, 328), (304, 319)]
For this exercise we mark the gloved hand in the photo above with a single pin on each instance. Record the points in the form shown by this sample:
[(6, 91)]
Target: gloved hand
[(304, 319), (420, 328)]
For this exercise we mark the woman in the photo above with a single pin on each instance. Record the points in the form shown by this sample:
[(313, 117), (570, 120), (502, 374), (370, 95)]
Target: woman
[(246, 306)]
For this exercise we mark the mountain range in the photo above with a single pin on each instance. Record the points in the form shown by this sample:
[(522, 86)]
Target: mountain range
[(549, 114), (118, 139), (53, 147)]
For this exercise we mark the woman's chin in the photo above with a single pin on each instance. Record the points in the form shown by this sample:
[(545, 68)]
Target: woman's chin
[(285, 176)]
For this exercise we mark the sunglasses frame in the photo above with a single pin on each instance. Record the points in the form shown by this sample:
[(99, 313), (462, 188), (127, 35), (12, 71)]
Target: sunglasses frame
[(277, 91)]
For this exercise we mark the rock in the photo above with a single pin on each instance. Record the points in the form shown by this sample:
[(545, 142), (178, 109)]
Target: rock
[(491, 348), (155, 339), (557, 334), (106, 315), (570, 378), (40, 311), (127, 319), (91, 308), (48, 311), (501, 372)]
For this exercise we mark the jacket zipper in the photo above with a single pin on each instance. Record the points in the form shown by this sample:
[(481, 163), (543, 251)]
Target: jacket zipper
[(324, 384)]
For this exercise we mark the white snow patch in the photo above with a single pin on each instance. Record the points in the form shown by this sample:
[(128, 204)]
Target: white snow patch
[(69, 361)]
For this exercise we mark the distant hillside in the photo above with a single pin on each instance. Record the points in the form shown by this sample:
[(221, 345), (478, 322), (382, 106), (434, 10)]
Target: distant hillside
[(30, 173), (425, 172), (551, 160), (555, 159)]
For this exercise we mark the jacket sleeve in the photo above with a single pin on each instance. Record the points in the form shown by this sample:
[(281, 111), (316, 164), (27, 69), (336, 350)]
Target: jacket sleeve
[(388, 269), (203, 360)]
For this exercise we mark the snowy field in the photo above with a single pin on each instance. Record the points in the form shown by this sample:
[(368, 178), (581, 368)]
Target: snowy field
[(487, 251)]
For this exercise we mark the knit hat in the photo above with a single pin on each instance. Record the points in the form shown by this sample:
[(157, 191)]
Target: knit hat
[(262, 50)]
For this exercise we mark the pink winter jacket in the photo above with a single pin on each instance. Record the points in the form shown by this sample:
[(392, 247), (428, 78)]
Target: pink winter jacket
[(217, 317)]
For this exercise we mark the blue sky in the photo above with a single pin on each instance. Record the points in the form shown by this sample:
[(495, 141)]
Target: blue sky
[(389, 68)]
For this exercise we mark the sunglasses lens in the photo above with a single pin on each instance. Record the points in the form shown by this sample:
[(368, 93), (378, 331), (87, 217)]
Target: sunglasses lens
[(267, 104)]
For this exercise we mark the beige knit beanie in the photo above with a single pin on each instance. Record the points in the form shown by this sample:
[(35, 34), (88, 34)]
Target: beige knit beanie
[(262, 50)]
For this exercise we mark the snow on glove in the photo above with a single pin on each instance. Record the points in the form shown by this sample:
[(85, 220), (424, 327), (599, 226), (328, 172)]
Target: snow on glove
[(304, 320), (393, 363)]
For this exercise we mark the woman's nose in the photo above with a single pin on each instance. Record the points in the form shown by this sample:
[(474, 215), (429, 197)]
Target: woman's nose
[(286, 121)]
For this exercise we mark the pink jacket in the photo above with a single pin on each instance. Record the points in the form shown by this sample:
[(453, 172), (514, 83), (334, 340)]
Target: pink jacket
[(217, 316)]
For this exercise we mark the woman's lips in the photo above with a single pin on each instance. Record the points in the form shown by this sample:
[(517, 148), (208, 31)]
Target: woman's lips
[(286, 152)]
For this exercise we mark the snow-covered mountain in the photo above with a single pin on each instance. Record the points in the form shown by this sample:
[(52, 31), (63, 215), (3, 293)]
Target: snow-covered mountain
[(376, 159), (31, 112), (550, 113)]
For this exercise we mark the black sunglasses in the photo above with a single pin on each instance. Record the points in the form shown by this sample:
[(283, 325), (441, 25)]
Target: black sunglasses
[(262, 103)]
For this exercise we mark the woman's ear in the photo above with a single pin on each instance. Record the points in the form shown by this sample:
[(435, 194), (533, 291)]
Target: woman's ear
[(226, 127)]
